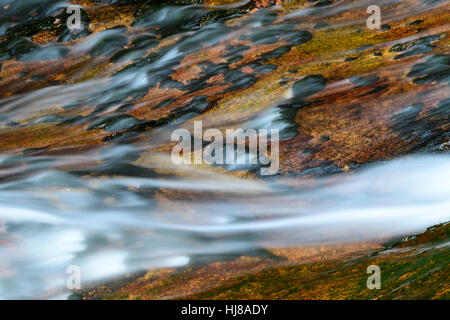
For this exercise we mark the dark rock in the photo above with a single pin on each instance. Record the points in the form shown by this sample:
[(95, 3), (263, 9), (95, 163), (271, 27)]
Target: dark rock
[(377, 89), (164, 103), (364, 48), (407, 114), (51, 52), (274, 53), (320, 25), (114, 122), (414, 23), (70, 35), (309, 151), (320, 3), (76, 119), (108, 44), (19, 47), (321, 171), (435, 68), (442, 110), (47, 119), (197, 105), (128, 54), (308, 86), (265, 68), (146, 42), (235, 59), (4, 55), (414, 47), (362, 82), (296, 37)]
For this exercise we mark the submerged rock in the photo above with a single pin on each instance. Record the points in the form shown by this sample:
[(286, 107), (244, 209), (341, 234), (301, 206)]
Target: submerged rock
[(308, 86), (415, 47), (114, 122), (435, 68)]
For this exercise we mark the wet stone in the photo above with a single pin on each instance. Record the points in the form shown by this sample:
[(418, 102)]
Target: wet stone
[(324, 138), (364, 48), (435, 68), (423, 133), (73, 104), (238, 50), (442, 110), (274, 53), (128, 54), (47, 53), (76, 119), (296, 38), (33, 151), (126, 107), (262, 69), (321, 25), (147, 42), (321, 171), (308, 86), (164, 103), (235, 59), (414, 23), (178, 19), (12, 124), (114, 122), (295, 104), (19, 47), (48, 21), (261, 37), (385, 27), (221, 15), (171, 84), (70, 35), (31, 28), (309, 151), (322, 3), (4, 55), (263, 17), (286, 121), (102, 107), (362, 82), (39, 77), (198, 105), (47, 119), (376, 90), (201, 105), (5, 23), (407, 114), (238, 80), (108, 45), (415, 47)]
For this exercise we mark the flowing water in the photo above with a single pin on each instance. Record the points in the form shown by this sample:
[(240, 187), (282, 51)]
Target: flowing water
[(86, 176)]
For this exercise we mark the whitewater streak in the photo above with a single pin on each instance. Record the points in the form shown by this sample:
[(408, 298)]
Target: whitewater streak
[(53, 220)]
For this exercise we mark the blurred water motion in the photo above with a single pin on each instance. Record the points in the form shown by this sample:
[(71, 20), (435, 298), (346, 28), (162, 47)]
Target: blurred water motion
[(85, 172)]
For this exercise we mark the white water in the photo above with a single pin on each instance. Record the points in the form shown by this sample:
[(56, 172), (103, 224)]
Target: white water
[(54, 219)]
